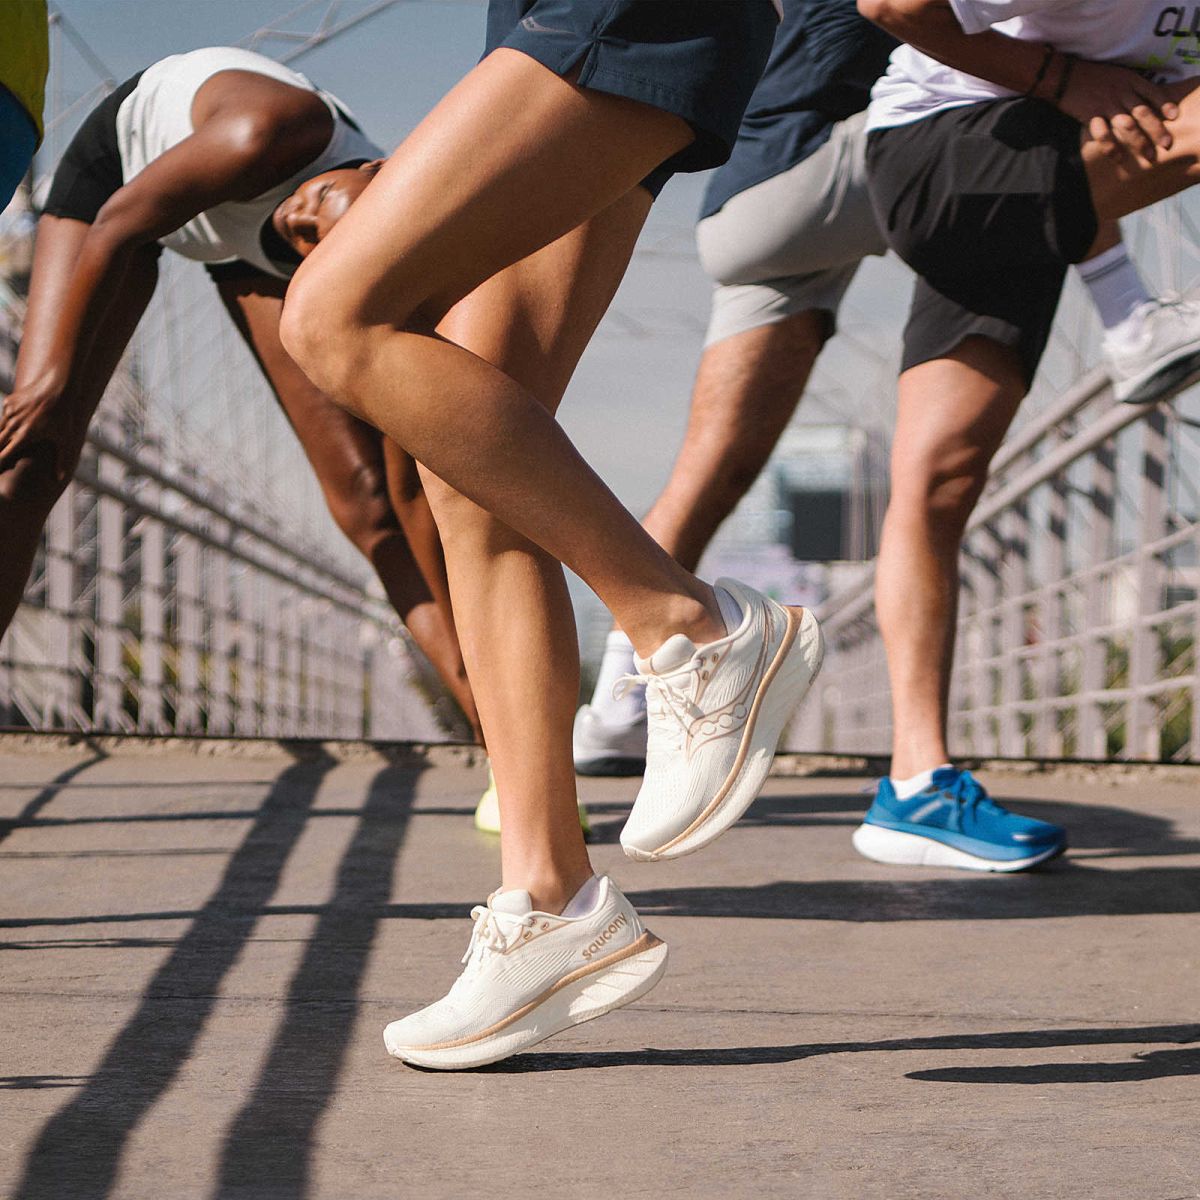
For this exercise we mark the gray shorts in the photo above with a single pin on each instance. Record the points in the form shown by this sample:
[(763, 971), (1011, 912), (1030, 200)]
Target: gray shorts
[(793, 242)]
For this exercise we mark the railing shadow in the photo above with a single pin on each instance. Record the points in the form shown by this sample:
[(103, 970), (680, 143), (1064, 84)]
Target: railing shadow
[(269, 1146), (33, 807), (79, 1149)]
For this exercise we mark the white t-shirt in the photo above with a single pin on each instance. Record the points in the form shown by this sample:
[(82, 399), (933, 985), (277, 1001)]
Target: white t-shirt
[(1161, 41), (157, 115)]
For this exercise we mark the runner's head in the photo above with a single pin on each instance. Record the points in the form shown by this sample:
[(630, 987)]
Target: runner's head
[(311, 211)]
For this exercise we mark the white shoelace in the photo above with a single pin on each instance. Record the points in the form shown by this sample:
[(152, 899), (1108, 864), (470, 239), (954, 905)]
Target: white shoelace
[(672, 701), (489, 934)]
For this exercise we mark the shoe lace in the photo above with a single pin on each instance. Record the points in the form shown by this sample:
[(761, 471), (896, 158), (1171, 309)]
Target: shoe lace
[(667, 699), (494, 932), (969, 793)]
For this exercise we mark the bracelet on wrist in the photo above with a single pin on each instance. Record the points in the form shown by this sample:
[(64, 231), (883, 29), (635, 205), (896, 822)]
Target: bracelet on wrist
[(1069, 61), (1047, 58)]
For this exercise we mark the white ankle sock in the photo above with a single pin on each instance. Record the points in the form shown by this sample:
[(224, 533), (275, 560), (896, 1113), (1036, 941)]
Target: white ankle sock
[(907, 788), (617, 661), (584, 900), (730, 613), (1115, 286)]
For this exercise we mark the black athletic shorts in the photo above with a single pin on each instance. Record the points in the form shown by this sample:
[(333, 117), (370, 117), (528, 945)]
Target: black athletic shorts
[(89, 172), (700, 61), (989, 204)]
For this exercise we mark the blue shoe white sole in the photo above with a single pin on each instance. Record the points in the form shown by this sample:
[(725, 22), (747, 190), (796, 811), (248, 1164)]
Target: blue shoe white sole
[(910, 850)]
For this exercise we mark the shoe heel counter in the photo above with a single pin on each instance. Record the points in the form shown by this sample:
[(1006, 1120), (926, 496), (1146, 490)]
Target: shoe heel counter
[(616, 904)]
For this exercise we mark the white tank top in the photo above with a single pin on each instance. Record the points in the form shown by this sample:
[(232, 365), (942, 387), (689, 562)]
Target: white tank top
[(157, 115)]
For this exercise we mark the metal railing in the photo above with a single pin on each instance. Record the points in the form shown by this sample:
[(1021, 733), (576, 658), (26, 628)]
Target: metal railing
[(1079, 610), (162, 601)]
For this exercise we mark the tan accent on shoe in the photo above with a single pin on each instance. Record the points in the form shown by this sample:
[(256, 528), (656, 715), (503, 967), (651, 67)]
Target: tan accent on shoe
[(646, 942), (795, 617)]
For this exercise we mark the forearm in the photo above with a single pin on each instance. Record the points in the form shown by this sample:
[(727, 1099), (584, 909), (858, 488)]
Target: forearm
[(59, 336), (932, 27)]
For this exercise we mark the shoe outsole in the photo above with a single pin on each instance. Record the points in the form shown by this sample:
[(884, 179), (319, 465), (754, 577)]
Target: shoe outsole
[(610, 768), (617, 980), (768, 719), (897, 848), (1171, 377)]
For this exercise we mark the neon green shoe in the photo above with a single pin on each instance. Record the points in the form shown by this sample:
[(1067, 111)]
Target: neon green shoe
[(487, 811)]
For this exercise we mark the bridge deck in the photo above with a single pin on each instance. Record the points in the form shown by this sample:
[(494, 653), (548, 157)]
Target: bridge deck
[(202, 951)]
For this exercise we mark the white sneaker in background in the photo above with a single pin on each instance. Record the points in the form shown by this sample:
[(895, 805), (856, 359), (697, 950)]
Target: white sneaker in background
[(602, 748), (1153, 351), (716, 714), (530, 975)]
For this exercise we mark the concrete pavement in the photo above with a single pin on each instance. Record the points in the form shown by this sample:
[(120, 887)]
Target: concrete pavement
[(200, 952)]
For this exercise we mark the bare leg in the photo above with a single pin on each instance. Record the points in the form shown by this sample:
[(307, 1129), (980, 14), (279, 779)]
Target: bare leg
[(533, 321), (510, 161), (746, 390), (952, 415), (30, 489), (348, 459)]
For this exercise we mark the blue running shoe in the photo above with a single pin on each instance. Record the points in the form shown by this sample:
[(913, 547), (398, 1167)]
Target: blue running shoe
[(953, 823)]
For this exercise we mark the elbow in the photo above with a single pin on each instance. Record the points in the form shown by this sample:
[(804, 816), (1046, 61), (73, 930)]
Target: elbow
[(896, 16), (116, 233)]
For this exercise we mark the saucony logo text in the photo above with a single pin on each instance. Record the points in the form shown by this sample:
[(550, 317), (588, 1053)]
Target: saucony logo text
[(618, 923)]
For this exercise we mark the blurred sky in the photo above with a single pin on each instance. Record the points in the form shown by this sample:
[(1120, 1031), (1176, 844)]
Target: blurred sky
[(628, 403)]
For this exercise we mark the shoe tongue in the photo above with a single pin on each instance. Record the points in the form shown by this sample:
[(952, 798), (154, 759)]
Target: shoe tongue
[(673, 653), (945, 777), (517, 902)]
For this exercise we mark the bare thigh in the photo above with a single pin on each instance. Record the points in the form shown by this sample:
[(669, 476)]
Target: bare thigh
[(511, 160)]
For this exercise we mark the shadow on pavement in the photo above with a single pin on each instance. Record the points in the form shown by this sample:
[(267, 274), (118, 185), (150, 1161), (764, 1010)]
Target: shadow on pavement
[(1116, 832), (34, 806), (79, 1148), (1172, 1062), (1059, 889), (1158, 1064), (268, 1149)]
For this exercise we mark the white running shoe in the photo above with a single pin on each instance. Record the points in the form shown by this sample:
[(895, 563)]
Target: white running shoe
[(716, 714), (604, 749), (530, 975), (1154, 350)]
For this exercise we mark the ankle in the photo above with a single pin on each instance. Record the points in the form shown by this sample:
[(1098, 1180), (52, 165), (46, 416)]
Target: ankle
[(697, 616), (908, 766), (550, 889)]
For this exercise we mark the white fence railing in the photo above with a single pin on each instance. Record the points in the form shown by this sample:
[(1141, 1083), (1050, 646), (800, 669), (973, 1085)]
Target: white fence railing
[(1079, 612), (158, 604)]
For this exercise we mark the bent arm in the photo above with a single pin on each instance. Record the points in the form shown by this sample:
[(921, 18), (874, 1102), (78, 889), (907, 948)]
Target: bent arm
[(933, 28), (233, 155), (1115, 104)]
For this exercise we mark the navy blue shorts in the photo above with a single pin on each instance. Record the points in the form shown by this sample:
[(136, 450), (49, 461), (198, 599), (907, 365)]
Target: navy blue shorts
[(699, 61)]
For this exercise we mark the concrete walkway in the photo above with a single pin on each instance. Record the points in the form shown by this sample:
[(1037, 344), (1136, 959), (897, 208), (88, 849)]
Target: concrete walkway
[(201, 952)]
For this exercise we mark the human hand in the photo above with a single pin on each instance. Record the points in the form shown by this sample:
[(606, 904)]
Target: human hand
[(32, 415), (1119, 109)]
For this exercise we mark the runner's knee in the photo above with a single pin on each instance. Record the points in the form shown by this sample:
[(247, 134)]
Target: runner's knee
[(361, 508), (941, 486), (324, 334)]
